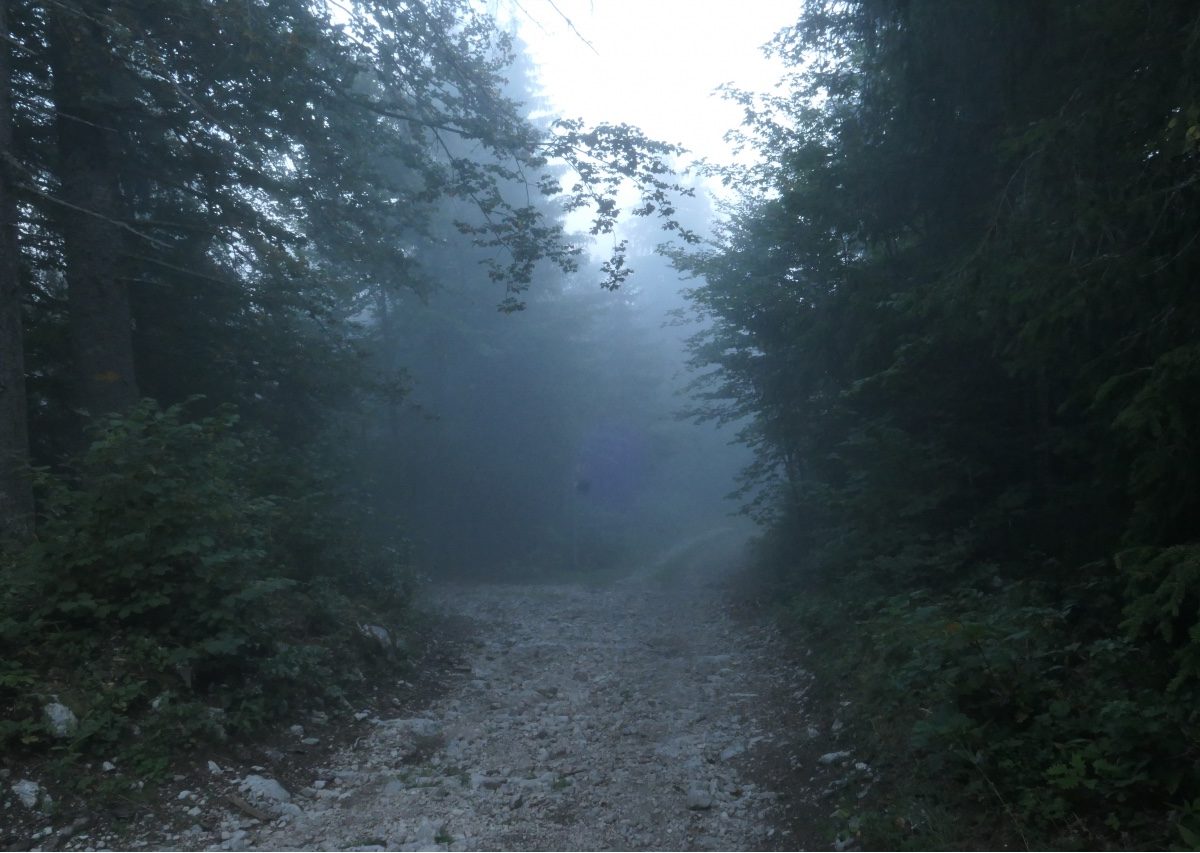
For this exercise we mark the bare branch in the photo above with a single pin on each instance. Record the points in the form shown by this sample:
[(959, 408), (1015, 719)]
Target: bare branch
[(571, 24), (526, 13), (18, 45), (175, 268), (41, 193)]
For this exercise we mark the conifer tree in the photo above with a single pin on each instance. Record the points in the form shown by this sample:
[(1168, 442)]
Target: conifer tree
[(16, 501)]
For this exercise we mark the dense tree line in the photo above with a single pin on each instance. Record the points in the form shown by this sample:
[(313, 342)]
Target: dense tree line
[(958, 300)]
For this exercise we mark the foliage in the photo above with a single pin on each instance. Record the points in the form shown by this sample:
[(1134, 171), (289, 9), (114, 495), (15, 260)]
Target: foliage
[(956, 299), (1020, 720), (219, 202), (164, 563)]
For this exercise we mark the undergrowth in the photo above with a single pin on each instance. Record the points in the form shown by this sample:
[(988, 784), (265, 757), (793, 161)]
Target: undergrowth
[(189, 582), (1000, 714)]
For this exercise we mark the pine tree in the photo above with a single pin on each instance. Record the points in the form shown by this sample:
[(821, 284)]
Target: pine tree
[(16, 498)]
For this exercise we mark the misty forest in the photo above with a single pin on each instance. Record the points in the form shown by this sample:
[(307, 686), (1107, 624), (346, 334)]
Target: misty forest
[(389, 460)]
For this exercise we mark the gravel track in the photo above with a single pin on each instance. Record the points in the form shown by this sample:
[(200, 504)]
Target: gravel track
[(582, 718)]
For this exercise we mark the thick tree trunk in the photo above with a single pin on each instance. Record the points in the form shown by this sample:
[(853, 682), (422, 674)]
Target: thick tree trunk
[(16, 497), (97, 297)]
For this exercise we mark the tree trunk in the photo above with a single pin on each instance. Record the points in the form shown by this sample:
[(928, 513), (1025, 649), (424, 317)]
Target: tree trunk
[(16, 497), (97, 297)]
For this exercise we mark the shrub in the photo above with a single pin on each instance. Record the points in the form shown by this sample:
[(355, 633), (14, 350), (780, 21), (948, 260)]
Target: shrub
[(163, 591), (1018, 717)]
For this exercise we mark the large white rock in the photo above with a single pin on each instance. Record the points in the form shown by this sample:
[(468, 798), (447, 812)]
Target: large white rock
[(28, 792), (265, 789), (833, 757), (60, 719), (378, 633), (732, 751), (699, 798), (428, 832)]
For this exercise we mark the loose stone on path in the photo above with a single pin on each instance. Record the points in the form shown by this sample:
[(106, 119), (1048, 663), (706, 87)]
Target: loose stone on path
[(580, 718)]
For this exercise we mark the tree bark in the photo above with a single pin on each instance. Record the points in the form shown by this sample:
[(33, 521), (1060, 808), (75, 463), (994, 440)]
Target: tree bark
[(16, 496), (100, 325)]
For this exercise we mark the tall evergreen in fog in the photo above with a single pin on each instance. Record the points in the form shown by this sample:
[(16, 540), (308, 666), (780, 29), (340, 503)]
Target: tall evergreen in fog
[(16, 498)]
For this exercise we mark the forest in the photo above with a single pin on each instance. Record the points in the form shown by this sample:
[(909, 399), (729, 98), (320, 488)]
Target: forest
[(957, 302), (306, 306)]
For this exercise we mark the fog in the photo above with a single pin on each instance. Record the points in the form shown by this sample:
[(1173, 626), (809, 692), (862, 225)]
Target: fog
[(599, 424), (560, 438), (555, 438)]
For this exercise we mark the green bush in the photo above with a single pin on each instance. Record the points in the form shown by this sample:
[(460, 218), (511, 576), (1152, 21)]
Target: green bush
[(159, 537), (1009, 711), (164, 591)]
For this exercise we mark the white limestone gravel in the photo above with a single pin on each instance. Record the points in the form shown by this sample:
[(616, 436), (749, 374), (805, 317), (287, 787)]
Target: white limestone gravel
[(583, 718)]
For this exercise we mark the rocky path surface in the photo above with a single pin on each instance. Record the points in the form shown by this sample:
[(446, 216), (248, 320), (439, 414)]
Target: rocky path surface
[(635, 715), (583, 718)]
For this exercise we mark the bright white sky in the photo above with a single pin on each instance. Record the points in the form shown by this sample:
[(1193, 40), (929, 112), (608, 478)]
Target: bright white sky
[(656, 63)]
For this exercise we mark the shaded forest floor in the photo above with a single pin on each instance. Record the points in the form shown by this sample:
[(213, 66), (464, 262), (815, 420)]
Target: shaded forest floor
[(636, 713)]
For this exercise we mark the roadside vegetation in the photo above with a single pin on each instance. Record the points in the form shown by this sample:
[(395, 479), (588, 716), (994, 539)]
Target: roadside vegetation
[(264, 359), (957, 301), (175, 597), (224, 225)]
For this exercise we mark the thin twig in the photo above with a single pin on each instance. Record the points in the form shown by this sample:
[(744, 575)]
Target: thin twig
[(80, 120), (87, 212), (18, 45), (525, 12), (246, 808), (571, 24), (1003, 802), (175, 268), (390, 113)]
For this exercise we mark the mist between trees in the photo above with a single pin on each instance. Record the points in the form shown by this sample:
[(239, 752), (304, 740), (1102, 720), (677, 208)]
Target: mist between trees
[(289, 319), (293, 324)]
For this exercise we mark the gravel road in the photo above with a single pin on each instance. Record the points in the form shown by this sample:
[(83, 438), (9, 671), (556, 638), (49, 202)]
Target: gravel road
[(582, 718)]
